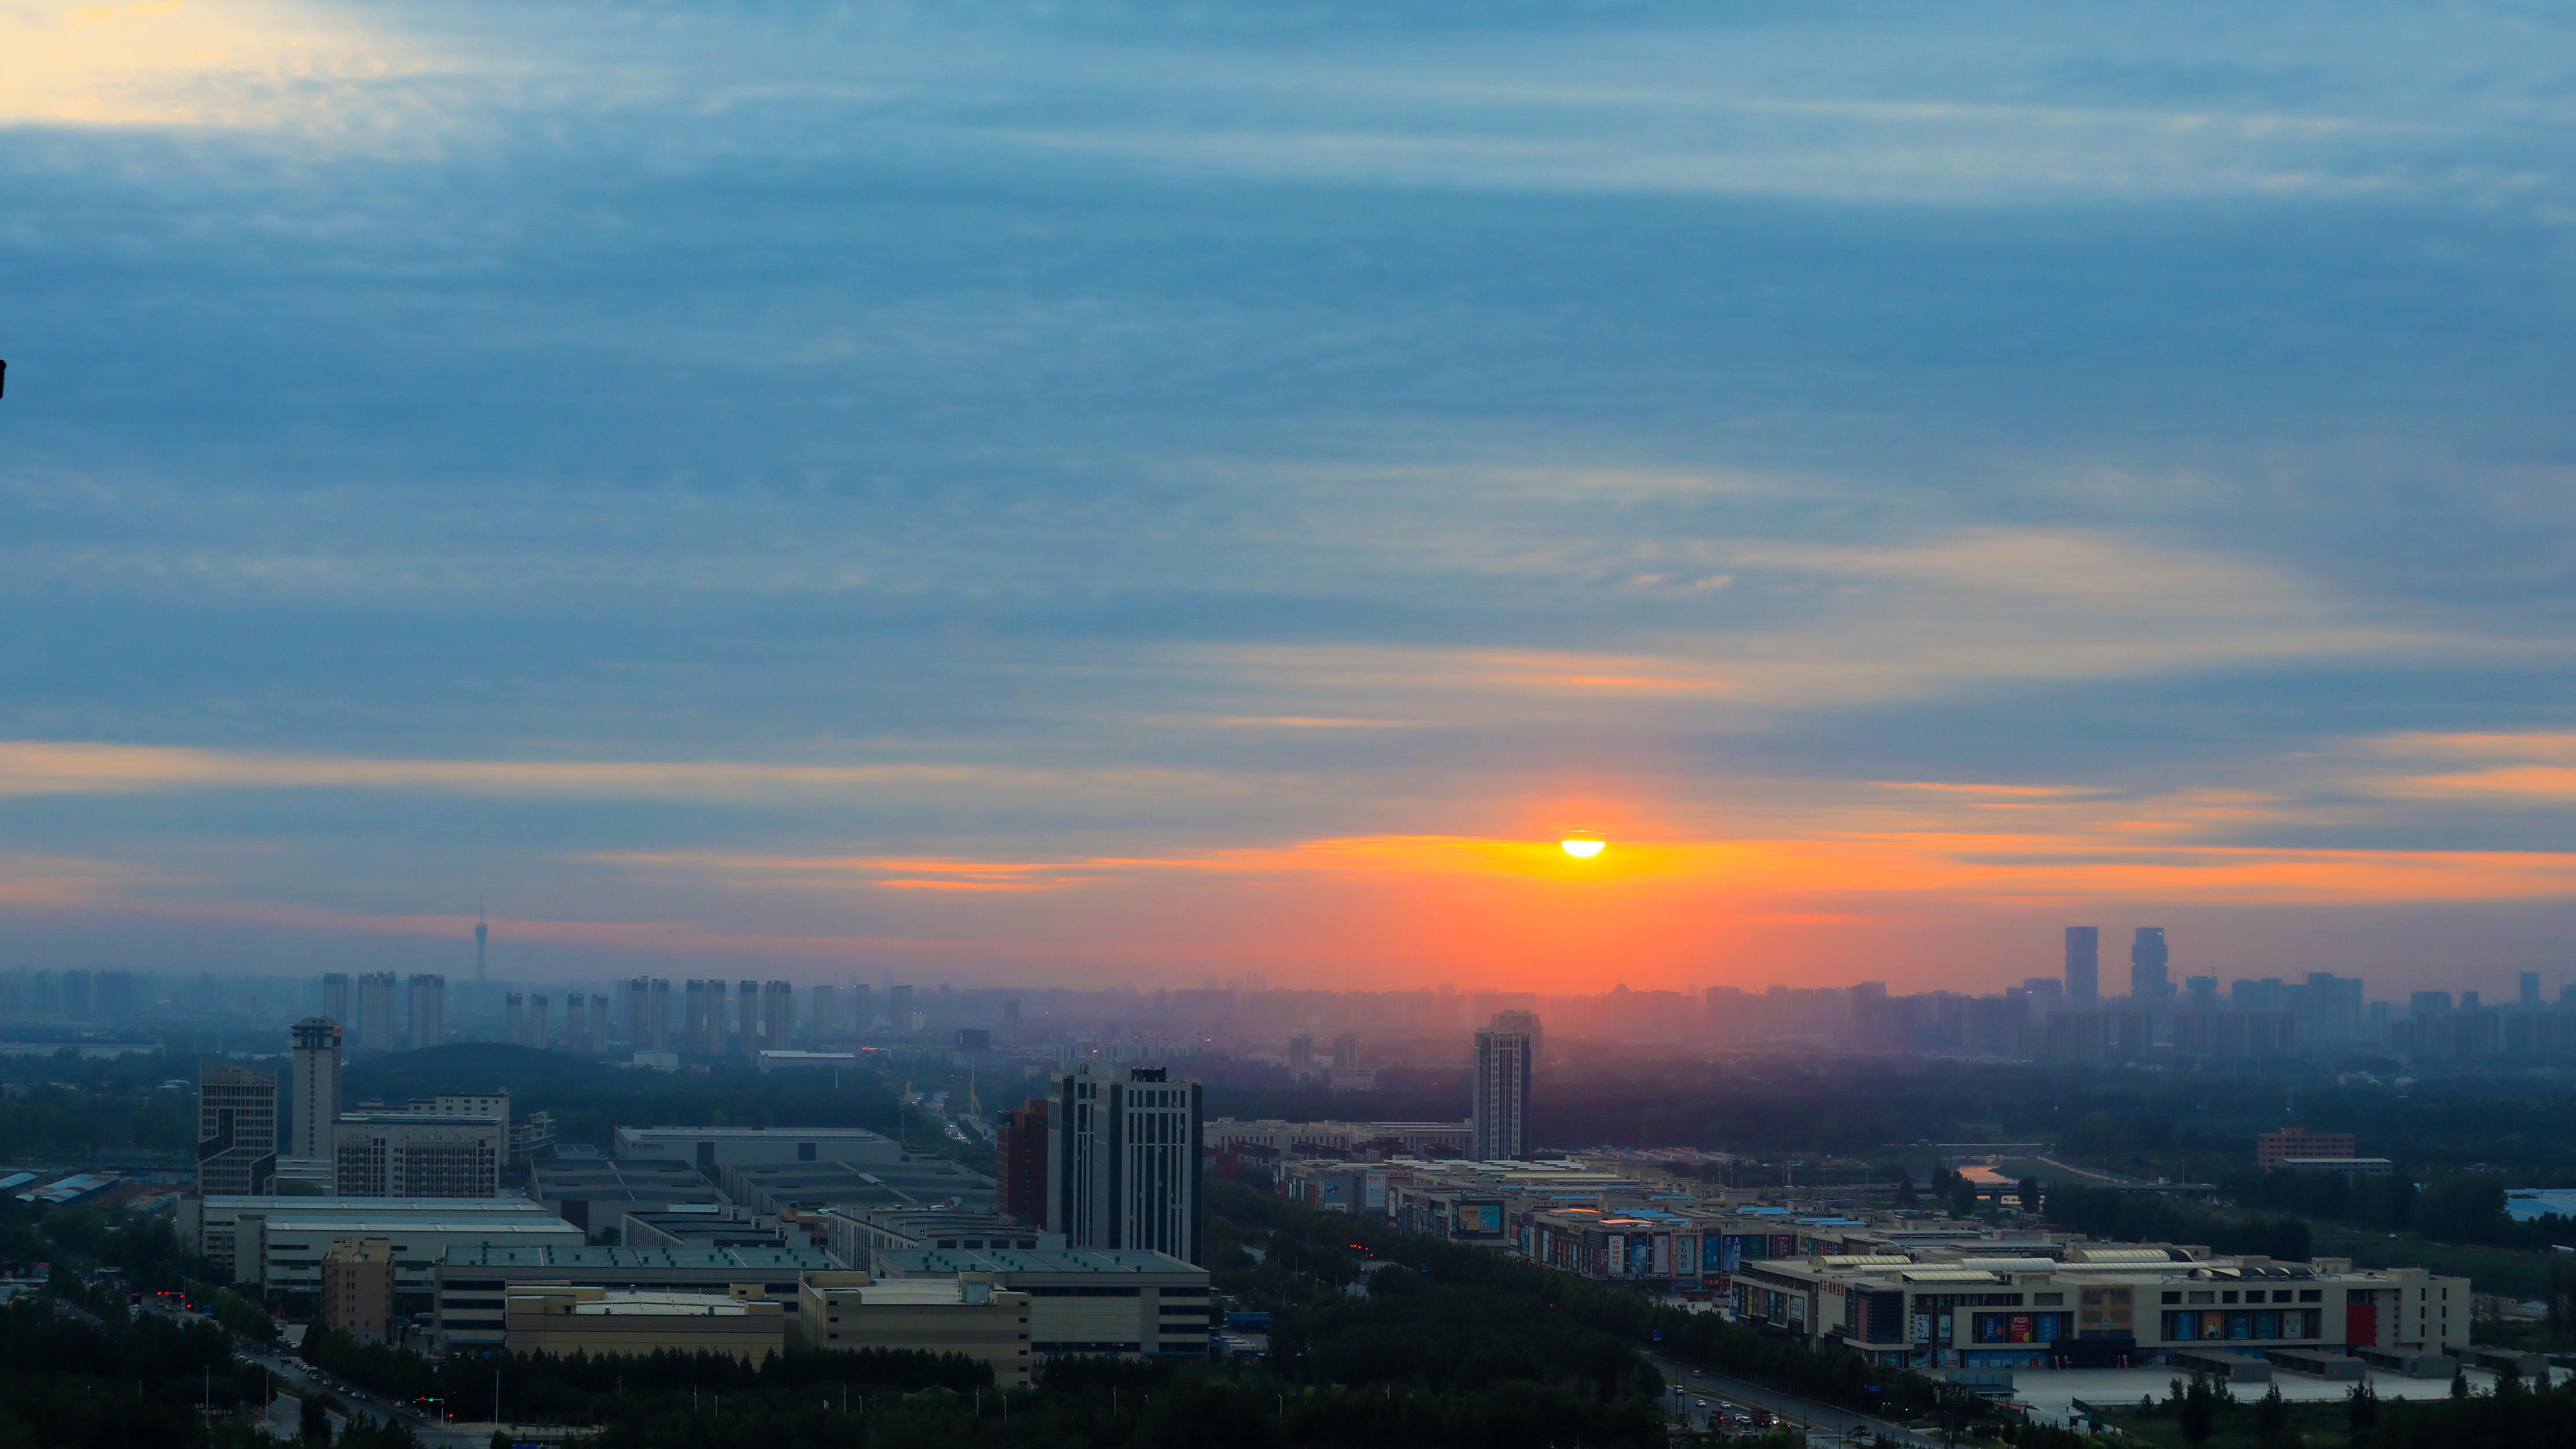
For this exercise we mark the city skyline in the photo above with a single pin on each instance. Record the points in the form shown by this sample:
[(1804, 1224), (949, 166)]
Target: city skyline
[(1042, 499)]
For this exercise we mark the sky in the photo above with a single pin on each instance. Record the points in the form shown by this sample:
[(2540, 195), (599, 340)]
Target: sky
[(1023, 493)]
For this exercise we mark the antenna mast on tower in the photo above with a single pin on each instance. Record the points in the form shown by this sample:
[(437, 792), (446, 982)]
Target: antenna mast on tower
[(482, 934)]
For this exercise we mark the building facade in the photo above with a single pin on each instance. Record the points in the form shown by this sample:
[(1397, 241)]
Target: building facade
[(428, 1025), (2272, 1148), (417, 1154), (1127, 1302), (1498, 1123), (1020, 1173), (236, 1131), (316, 1061), (357, 1295), (1124, 1158), (966, 1314)]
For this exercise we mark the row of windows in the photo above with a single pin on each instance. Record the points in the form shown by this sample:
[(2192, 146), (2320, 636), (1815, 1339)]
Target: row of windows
[(2249, 1295), (2256, 1323)]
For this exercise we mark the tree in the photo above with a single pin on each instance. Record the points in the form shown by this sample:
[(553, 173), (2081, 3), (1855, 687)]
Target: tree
[(2272, 1417), (2030, 1199), (2196, 1407), (313, 1422), (1963, 1198), (2360, 1413), (1906, 1196)]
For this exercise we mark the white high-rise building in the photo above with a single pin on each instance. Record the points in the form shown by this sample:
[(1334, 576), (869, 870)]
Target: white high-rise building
[(417, 1154), (317, 1086), (1123, 1160), (1498, 1124)]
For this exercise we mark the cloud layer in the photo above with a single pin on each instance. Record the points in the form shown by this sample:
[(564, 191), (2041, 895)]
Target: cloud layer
[(1131, 489)]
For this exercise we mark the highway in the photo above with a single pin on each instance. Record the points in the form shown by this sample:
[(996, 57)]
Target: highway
[(1823, 1422)]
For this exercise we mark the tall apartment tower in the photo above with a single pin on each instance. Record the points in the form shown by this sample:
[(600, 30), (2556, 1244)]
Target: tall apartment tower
[(236, 1132), (2083, 967), (376, 1012), (658, 1013), (1498, 1122), (316, 1058), (639, 1013), (2147, 959), (697, 1036), (899, 1010), (577, 1024), (428, 1010), (1020, 1177), (746, 1019), (335, 996), (778, 1015), (598, 1023), (514, 1019), (1525, 1021), (1123, 1160)]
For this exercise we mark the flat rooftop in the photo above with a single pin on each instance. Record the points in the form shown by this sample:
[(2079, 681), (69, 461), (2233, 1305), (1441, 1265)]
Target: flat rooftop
[(545, 1256), (930, 1262), (750, 1134)]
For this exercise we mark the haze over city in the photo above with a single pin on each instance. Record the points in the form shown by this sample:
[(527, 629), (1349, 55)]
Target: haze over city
[(1032, 497)]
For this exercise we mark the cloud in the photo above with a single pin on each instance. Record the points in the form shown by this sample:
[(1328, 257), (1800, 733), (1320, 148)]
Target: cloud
[(191, 63), (30, 767)]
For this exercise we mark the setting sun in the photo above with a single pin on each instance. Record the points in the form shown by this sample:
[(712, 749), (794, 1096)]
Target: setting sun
[(1582, 846)]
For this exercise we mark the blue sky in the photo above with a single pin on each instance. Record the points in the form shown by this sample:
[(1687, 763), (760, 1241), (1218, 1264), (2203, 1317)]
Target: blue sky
[(1053, 493)]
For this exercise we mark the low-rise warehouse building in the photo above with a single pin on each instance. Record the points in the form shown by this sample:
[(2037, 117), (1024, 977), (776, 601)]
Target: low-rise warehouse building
[(1129, 1302), (564, 1318), (2098, 1304), (593, 1193), (920, 1182), (966, 1314), (722, 1147), (474, 1284)]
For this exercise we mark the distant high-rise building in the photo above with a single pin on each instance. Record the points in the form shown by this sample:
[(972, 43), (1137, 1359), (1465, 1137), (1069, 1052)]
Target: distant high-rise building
[(2531, 989), (335, 997), (862, 1011), (1346, 1050), (639, 1013), (540, 1035), (658, 1016), (2083, 967), (1020, 1180), (599, 1032), (514, 1019), (577, 1024), (1301, 1053), (899, 1010), (1123, 1160), (316, 1061), (697, 1036), (78, 1000), (746, 1019), (236, 1132), (1498, 1121), (778, 1015), (376, 1012), (428, 1010), (2147, 959), (2422, 1004), (2200, 992)]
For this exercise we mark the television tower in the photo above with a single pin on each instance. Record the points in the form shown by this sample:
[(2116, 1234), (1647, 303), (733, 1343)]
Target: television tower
[(482, 935)]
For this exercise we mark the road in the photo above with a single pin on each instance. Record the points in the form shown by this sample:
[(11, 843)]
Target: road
[(1823, 1422), (300, 1380)]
